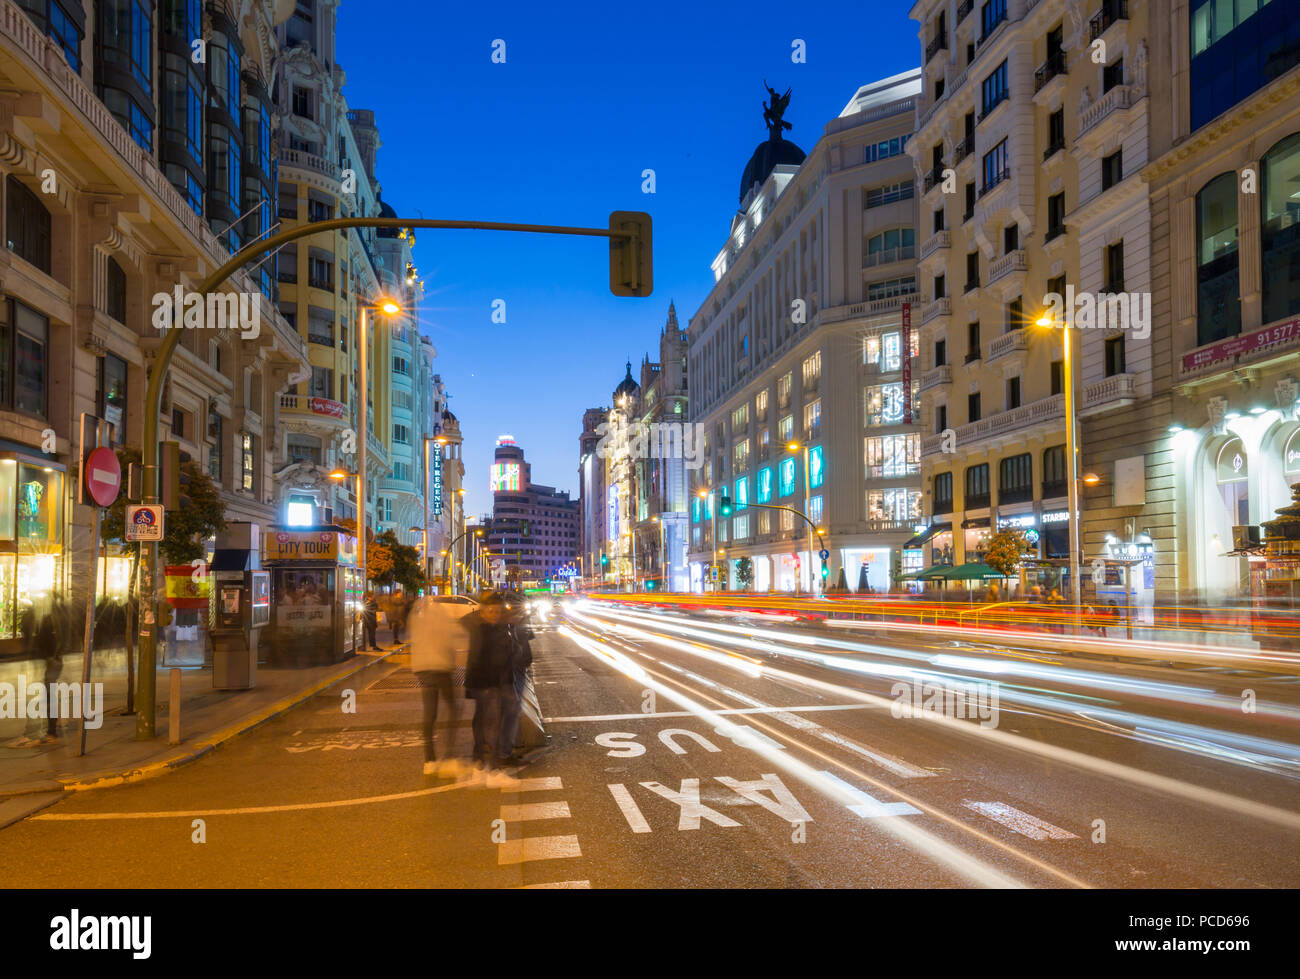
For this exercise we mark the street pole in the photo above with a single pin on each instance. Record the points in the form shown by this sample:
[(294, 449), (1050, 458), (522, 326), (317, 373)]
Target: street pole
[(635, 577), (362, 440), (1072, 452), (807, 498)]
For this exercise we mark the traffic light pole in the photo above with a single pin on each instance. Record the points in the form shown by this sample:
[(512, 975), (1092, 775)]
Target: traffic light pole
[(629, 270), (812, 528)]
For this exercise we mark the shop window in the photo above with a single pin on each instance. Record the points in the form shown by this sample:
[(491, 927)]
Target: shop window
[(31, 529), (1233, 474)]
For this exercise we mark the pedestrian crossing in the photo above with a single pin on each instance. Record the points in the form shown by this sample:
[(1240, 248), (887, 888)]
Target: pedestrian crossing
[(534, 849)]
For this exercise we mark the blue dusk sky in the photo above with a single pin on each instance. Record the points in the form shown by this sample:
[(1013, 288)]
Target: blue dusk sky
[(589, 96)]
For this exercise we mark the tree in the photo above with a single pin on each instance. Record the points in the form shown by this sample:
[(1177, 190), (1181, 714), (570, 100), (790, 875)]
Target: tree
[(185, 528), (379, 561), (1005, 549), (390, 562), (745, 573)]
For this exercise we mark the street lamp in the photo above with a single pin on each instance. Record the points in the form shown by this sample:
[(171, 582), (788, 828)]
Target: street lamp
[(704, 495), (1048, 321), (388, 307)]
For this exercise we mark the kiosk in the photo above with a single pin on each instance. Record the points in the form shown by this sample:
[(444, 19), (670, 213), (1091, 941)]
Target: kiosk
[(316, 595), (241, 606)]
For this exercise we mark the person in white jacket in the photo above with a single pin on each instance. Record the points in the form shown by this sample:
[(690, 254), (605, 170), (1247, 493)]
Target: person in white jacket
[(439, 644)]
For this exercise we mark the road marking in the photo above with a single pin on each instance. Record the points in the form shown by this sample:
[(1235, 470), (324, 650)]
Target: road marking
[(560, 885), (535, 785), (887, 762), (872, 808), (535, 810), (725, 710), (538, 848), (1021, 822), (628, 805), (687, 800)]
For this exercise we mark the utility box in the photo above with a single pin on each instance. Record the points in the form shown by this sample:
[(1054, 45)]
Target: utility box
[(241, 606)]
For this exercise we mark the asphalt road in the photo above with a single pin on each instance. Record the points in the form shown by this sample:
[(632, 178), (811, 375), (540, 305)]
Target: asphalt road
[(688, 751)]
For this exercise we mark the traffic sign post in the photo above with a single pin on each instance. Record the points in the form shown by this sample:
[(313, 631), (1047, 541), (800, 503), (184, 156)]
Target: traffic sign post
[(144, 522), (98, 484)]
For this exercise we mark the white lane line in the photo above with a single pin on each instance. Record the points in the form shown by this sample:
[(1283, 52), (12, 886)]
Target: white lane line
[(1021, 822), (726, 710), (872, 808), (535, 785), (567, 885), (535, 810), (631, 812), (887, 762), (538, 848)]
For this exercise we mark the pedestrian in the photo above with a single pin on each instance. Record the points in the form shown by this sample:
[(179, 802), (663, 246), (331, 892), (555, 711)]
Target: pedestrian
[(370, 620), (489, 680), (439, 644), (522, 634)]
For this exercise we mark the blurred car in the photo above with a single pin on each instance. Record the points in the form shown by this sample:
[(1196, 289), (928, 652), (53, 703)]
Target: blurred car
[(461, 605)]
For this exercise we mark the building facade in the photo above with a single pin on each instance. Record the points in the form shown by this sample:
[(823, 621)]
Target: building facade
[(591, 490), (1029, 145), (802, 341), (534, 527)]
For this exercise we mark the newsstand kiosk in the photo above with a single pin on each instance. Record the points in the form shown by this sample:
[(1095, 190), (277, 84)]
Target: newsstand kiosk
[(316, 595)]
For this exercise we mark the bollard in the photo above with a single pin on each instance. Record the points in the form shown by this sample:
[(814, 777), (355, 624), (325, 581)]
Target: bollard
[(174, 708)]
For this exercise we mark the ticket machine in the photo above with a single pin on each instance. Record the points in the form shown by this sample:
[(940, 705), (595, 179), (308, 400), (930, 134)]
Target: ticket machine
[(241, 606)]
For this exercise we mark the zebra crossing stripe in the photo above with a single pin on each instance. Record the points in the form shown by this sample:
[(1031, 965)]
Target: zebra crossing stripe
[(537, 848), (535, 810)]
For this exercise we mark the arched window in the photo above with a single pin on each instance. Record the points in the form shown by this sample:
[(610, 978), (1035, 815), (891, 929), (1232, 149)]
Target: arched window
[(1218, 281), (1233, 474), (1280, 228)]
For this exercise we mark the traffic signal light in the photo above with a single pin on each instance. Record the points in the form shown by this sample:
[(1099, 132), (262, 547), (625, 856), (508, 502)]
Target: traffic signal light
[(172, 481), (826, 569), (604, 559), (724, 505), (631, 271)]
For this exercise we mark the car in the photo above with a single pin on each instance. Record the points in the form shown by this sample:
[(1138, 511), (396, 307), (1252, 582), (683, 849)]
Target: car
[(461, 605)]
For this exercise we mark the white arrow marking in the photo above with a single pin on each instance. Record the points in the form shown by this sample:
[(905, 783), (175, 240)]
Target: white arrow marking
[(870, 808)]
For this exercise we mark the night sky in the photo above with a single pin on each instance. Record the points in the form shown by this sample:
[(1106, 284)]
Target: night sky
[(589, 97)]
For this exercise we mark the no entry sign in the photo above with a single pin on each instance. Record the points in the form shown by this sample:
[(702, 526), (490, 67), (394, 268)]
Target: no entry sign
[(103, 476)]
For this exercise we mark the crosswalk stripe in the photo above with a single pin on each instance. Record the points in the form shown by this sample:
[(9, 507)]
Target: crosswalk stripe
[(535, 810), (1021, 822), (535, 785), (560, 885), (538, 848)]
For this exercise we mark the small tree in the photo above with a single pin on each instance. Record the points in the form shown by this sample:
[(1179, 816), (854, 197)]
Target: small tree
[(185, 528), (1005, 550), (745, 573)]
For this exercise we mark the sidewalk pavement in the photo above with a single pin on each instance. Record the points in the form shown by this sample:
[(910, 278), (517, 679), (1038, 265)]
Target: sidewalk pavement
[(33, 777)]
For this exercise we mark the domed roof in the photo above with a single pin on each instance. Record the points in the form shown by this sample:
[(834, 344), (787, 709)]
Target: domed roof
[(385, 211), (768, 155), (447, 416), (627, 386)]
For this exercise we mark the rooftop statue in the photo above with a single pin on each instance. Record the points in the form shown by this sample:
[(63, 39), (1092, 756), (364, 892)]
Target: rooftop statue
[(773, 114)]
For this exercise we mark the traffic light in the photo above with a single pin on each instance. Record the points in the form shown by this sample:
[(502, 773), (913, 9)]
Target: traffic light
[(604, 558), (172, 481), (826, 569), (724, 505), (631, 265)]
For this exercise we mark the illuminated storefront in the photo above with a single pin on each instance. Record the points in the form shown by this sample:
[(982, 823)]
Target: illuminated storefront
[(31, 543)]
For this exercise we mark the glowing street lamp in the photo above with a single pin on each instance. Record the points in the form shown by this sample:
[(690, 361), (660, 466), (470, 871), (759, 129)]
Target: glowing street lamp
[(1048, 321), (388, 307)]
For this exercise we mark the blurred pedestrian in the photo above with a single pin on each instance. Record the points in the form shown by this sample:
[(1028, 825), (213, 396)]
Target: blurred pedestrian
[(521, 661), (370, 620), (439, 645), (489, 680)]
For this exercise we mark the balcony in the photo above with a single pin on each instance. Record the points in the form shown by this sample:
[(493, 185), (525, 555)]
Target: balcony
[(302, 160), (940, 43), (971, 285), (1009, 343), (1001, 177), (1053, 67), (937, 241), (1110, 13), (1054, 231), (972, 356), (884, 256), (963, 149), (1036, 413), (964, 8), (1113, 392), (1016, 261), (992, 31), (1053, 148), (938, 377), (1117, 98), (932, 179), (936, 309), (1002, 96)]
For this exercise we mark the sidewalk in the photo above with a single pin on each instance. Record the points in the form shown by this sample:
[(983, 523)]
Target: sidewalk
[(208, 718)]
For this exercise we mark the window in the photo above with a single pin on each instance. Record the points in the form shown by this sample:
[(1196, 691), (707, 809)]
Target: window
[(1280, 217), (24, 359), (940, 287), (302, 102), (401, 366), (1112, 169), (178, 424), (969, 212), (889, 194), (973, 407), (1013, 393), (115, 291), (322, 383), (940, 222), (899, 505), (1010, 238), (812, 421), (50, 17), (977, 486), (993, 91), (785, 428), (740, 418), (1115, 267), (1218, 283), (783, 386), (940, 353), (320, 331), (972, 270), (1057, 371), (1016, 479), (763, 484), (401, 434), (1015, 315), (992, 13), (1115, 356), (972, 342), (942, 492), (815, 509), (1055, 216), (940, 419), (891, 289), (27, 225), (246, 456), (320, 273), (816, 466), (891, 456), (1237, 50), (741, 498), (1054, 479), (895, 244), (995, 168), (885, 149), (1112, 75), (112, 396), (740, 455), (1055, 133), (884, 404), (760, 405)]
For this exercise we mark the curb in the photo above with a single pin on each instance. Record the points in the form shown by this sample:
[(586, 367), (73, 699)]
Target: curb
[(208, 743)]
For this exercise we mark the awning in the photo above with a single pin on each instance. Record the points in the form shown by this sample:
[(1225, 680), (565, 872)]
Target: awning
[(976, 522), (925, 535), (932, 573), (973, 571)]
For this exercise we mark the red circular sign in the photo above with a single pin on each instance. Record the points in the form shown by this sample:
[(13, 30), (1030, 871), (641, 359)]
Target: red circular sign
[(103, 476)]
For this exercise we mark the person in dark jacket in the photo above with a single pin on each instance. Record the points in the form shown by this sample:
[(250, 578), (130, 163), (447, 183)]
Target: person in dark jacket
[(517, 616), (370, 622), (489, 680)]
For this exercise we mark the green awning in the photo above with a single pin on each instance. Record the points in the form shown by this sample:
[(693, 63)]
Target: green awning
[(971, 572)]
